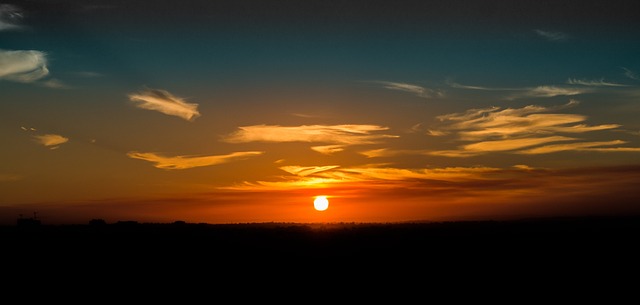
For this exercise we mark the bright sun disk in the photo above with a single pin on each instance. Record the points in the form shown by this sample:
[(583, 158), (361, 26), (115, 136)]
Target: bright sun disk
[(321, 203)]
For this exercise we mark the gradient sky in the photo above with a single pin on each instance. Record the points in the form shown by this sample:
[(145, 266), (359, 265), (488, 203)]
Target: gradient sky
[(245, 110)]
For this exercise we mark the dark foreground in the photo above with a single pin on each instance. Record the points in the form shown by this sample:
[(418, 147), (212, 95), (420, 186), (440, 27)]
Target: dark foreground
[(545, 237), (555, 249)]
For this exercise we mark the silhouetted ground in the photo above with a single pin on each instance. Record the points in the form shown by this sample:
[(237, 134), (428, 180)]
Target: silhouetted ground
[(555, 249)]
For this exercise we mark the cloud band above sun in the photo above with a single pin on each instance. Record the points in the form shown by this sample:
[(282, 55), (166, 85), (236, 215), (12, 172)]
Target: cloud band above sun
[(185, 162), (337, 136)]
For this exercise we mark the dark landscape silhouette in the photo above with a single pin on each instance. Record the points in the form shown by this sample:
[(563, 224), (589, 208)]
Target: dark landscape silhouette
[(541, 236), (562, 250)]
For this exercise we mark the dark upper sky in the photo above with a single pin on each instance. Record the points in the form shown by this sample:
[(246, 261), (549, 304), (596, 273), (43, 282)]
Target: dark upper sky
[(407, 13)]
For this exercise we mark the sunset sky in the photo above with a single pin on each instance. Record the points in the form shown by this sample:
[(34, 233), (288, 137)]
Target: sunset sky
[(245, 110)]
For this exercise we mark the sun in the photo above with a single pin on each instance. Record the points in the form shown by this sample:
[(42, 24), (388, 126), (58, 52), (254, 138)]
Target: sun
[(321, 203)]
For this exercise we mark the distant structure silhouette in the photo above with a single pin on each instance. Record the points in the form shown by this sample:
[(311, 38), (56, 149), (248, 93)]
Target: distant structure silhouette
[(97, 222), (28, 222)]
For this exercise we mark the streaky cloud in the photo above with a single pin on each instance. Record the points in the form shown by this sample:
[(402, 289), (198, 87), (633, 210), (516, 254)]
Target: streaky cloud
[(542, 123), (381, 152), (307, 170), (470, 87), (436, 133), (336, 135), (612, 149), (304, 115), (373, 176), (544, 91), (411, 88), (51, 141), (593, 83), (25, 66), (584, 146), (328, 149), (455, 153), (55, 84), (386, 152), (467, 115), (165, 102), (550, 91), (185, 162), (10, 17), (552, 36), (497, 130), (630, 74), (512, 144)]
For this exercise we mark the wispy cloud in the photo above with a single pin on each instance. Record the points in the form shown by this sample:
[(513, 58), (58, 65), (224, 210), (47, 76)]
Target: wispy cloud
[(411, 88), (549, 91), (52, 141), (630, 74), (165, 102), (551, 36), (571, 146), (538, 92), (185, 162), (335, 135), (23, 66), (305, 115), (517, 130), (511, 144), (373, 175), (328, 149), (594, 83), (483, 88), (380, 152), (307, 170), (55, 84), (10, 17)]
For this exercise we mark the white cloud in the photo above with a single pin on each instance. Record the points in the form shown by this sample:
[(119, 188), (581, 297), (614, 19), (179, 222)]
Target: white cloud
[(23, 66), (165, 102)]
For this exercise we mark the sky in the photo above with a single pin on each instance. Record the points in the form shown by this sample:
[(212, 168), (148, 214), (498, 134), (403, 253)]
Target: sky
[(244, 111)]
